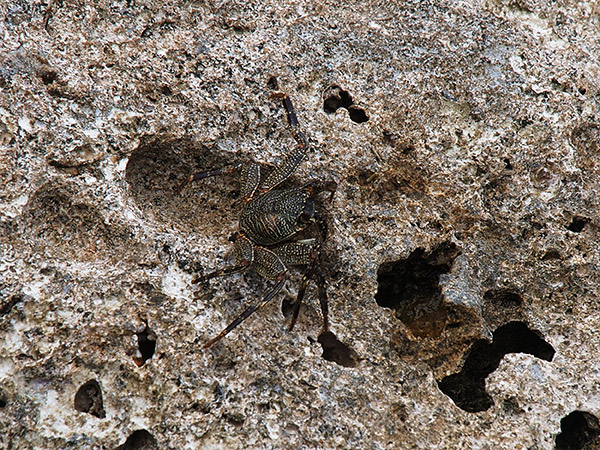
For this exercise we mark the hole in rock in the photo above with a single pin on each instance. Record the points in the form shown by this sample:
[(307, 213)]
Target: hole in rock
[(577, 224), (48, 76), (357, 114), (3, 400), (551, 254), (511, 406), (411, 288), (139, 440), (579, 430), (467, 388), (146, 344), (272, 83), (287, 307), (335, 98), (336, 351), (235, 418), (88, 399), (165, 90)]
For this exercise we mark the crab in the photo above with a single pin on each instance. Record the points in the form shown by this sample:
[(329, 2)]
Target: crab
[(271, 220)]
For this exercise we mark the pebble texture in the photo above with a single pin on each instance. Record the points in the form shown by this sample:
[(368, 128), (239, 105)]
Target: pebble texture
[(463, 264)]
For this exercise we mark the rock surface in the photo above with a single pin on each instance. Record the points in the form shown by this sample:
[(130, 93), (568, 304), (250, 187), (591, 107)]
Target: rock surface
[(462, 262)]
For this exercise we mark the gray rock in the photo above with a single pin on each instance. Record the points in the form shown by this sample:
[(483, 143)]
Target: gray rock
[(462, 260)]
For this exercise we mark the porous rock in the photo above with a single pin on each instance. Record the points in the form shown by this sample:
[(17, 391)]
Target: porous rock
[(462, 260)]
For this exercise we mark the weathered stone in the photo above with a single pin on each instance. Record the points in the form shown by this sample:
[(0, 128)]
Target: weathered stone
[(463, 140)]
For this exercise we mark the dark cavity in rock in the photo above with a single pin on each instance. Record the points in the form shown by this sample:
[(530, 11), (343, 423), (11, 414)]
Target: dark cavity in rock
[(579, 430), (88, 399), (139, 440), (146, 344), (503, 298), (336, 351), (467, 388), (577, 224), (411, 288), (272, 83), (335, 98)]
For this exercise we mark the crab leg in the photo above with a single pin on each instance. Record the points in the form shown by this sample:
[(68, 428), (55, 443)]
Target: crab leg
[(244, 256), (293, 159), (230, 270), (322, 288), (207, 174), (267, 264), (250, 310)]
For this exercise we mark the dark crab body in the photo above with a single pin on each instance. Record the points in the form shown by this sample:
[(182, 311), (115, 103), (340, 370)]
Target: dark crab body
[(277, 215), (269, 224)]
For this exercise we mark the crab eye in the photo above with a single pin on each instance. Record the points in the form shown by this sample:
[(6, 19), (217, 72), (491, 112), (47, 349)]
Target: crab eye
[(308, 212), (304, 218)]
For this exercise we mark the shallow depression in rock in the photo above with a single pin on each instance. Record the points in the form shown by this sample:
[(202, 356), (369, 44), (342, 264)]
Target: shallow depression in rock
[(155, 172)]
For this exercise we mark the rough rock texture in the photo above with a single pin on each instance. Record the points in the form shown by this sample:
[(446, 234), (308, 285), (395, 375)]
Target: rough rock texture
[(462, 261)]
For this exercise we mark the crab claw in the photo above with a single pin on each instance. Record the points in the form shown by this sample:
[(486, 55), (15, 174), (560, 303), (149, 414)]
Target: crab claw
[(184, 183)]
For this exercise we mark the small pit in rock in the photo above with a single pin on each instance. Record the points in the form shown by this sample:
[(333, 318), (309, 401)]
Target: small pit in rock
[(272, 83), (3, 400), (335, 98), (467, 388), (146, 345), (411, 288), (139, 440), (357, 114), (579, 430), (88, 399), (236, 418), (336, 351), (551, 254), (503, 298), (578, 224), (48, 76), (501, 306)]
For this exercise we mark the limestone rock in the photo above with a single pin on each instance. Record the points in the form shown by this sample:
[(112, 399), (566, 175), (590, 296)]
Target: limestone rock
[(462, 261)]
